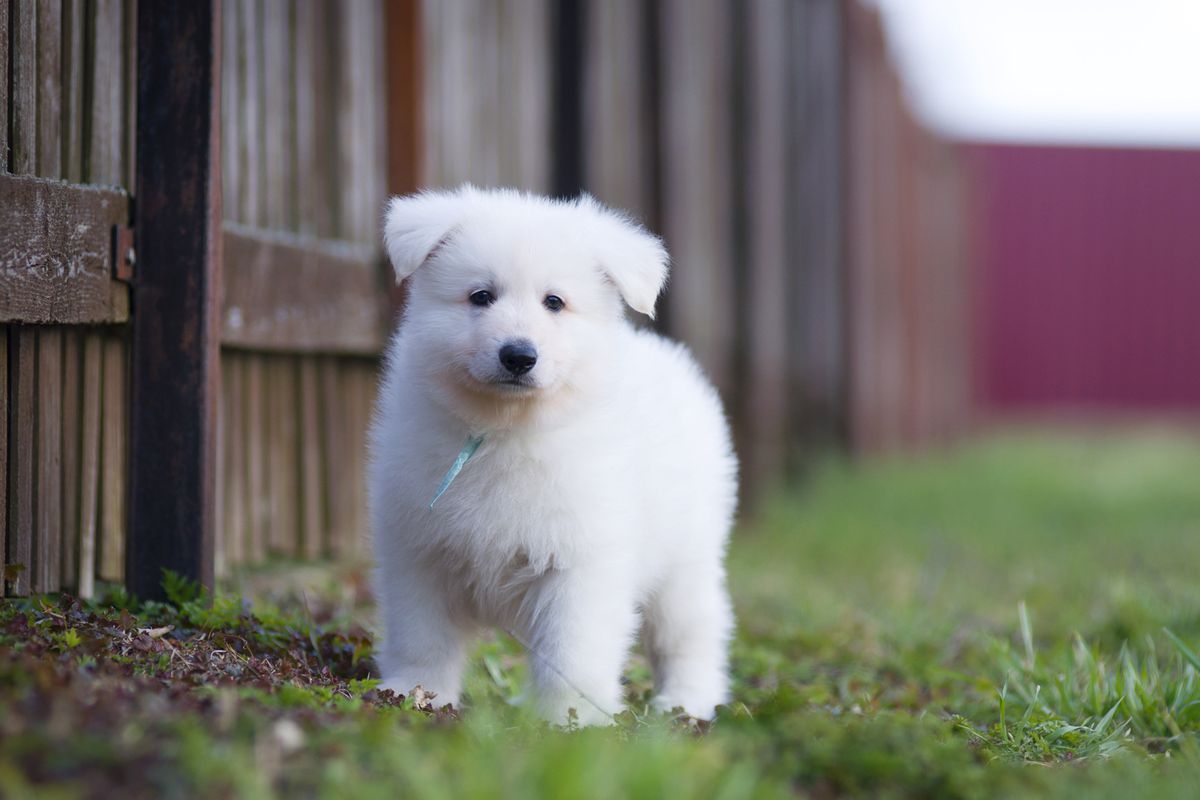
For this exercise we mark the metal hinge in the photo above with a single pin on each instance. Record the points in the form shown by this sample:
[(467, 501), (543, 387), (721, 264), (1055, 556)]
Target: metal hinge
[(124, 256)]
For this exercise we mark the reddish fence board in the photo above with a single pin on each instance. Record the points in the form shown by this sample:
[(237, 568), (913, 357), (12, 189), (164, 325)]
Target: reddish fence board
[(1089, 292)]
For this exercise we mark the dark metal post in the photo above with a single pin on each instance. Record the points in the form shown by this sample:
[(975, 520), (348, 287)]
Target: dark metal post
[(570, 39), (175, 295)]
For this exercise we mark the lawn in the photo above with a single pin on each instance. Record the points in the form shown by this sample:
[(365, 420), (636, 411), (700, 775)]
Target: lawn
[(1017, 616)]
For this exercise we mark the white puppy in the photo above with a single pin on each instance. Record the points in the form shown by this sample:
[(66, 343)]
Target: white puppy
[(597, 482)]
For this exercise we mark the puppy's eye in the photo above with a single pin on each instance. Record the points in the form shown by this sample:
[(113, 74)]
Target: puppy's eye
[(554, 303), (482, 298)]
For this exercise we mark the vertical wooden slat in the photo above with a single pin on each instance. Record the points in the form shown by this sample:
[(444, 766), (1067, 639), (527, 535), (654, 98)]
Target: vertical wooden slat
[(363, 395), (21, 453), (105, 148), (175, 376), (89, 466), (74, 28), (235, 459), (276, 112), (220, 500), (618, 166), (312, 507), (256, 462), (765, 397), (250, 78), (71, 420), (113, 461), (23, 92), (74, 25), (231, 101), (347, 120), (405, 71), (129, 40), (102, 474), (374, 161), (289, 468), (48, 494), (697, 180), (49, 89), (333, 414), (817, 284), (4, 417), (4, 75), (307, 167), (277, 466)]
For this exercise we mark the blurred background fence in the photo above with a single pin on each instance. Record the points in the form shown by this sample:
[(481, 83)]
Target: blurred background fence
[(849, 278)]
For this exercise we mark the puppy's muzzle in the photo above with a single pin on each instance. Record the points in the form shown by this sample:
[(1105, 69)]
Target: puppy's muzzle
[(518, 357)]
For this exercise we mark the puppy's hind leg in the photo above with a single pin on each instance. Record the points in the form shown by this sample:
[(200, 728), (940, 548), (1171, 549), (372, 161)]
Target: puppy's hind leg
[(688, 624), (423, 644)]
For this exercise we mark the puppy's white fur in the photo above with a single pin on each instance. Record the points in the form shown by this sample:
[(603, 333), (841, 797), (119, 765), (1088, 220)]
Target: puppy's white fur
[(603, 492)]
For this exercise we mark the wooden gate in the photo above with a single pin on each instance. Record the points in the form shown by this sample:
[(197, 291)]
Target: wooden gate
[(185, 379), (64, 313)]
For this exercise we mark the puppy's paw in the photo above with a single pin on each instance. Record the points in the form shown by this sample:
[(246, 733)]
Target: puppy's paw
[(700, 706)]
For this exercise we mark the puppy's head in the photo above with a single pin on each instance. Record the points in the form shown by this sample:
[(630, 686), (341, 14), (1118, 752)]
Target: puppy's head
[(514, 296)]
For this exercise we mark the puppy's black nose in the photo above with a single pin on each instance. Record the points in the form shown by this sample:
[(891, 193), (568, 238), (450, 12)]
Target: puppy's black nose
[(518, 357)]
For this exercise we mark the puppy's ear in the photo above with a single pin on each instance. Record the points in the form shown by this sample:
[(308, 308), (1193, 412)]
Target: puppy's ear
[(415, 225), (632, 257)]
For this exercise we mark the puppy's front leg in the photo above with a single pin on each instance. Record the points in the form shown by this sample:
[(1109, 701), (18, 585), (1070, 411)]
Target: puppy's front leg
[(579, 628), (423, 644)]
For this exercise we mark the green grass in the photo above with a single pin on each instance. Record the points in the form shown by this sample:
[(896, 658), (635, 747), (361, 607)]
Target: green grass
[(1015, 617)]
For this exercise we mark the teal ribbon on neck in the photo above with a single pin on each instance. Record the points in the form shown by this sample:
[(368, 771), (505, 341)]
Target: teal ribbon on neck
[(464, 455)]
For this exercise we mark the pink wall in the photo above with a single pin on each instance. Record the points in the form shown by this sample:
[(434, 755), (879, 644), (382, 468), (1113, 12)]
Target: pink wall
[(1089, 286)]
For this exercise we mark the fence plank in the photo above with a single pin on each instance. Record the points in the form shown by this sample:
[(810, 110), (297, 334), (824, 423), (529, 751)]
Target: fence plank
[(288, 467), (73, 69), (697, 181), (287, 293), (616, 151), (405, 113), (277, 467), (113, 462), (22, 453), (49, 89), (4, 415), (276, 112), (312, 505), (4, 121), (48, 494), (256, 462), (231, 106), (307, 164), (765, 395), (23, 88), (333, 414), (235, 459), (249, 52), (56, 252), (71, 418), (89, 461), (817, 286), (105, 148), (175, 377), (129, 92), (220, 501)]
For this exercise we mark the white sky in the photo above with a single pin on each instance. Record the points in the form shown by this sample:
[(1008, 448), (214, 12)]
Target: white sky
[(1085, 71)]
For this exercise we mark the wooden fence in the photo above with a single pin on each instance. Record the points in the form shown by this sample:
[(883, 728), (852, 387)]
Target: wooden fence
[(290, 113), (817, 233), (67, 91), (910, 226), (720, 125), (820, 236), (302, 314)]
